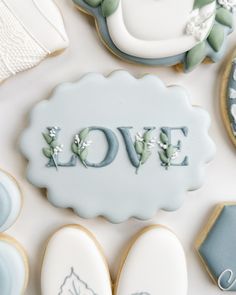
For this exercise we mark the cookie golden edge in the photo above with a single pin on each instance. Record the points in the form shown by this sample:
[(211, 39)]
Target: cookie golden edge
[(223, 97)]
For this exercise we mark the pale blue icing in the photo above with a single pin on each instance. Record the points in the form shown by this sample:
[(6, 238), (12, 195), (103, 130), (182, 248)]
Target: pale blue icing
[(5, 205), (12, 270), (168, 61), (218, 249)]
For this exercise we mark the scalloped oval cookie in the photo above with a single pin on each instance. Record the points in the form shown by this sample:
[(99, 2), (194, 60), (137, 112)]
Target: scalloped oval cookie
[(154, 264), (74, 264), (31, 30), (119, 146), (14, 269), (167, 32)]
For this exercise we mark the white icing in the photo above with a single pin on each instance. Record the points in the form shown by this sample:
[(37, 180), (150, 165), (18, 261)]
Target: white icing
[(228, 4), (14, 194), (29, 31), (232, 93), (156, 29), (233, 111), (155, 264), (231, 281), (73, 262)]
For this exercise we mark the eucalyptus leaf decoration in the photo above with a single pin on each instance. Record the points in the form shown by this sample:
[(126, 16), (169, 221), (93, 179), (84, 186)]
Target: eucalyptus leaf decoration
[(216, 37), (108, 6), (53, 149), (143, 146), (80, 145), (168, 151)]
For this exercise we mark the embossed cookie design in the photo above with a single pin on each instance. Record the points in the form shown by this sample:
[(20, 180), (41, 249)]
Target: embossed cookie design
[(30, 31), (75, 265), (228, 98), (166, 32), (216, 246), (119, 147), (14, 270)]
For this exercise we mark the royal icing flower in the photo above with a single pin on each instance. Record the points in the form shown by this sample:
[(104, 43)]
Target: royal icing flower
[(228, 4)]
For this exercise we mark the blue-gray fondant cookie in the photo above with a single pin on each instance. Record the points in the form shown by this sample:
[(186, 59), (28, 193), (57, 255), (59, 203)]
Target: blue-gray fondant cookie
[(117, 146), (168, 32), (216, 246), (228, 98)]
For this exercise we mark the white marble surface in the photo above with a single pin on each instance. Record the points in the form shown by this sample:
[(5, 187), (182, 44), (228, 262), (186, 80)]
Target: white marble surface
[(39, 219)]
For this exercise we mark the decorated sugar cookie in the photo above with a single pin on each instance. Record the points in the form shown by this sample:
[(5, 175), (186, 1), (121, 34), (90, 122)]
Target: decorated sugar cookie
[(168, 32), (154, 264), (216, 246), (30, 31), (14, 268), (119, 146), (74, 264), (10, 201), (228, 98)]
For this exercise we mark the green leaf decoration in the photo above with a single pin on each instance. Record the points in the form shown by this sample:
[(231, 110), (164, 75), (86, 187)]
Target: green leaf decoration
[(164, 138), (200, 3), (195, 56), (224, 17), (93, 3), (109, 7), (147, 136), (83, 134), (216, 37), (48, 138), (74, 148), (84, 154), (170, 151), (163, 157), (47, 152), (53, 144), (145, 157), (138, 147)]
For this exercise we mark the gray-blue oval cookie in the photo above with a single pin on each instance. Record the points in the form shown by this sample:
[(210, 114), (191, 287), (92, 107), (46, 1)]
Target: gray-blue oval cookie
[(167, 33), (117, 146)]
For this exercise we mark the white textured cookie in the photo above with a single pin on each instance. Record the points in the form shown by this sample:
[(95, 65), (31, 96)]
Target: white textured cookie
[(14, 269), (30, 31), (154, 264), (10, 200), (74, 264)]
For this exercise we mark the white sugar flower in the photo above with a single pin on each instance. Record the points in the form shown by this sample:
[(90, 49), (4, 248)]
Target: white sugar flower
[(58, 149), (76, 139), (228, 4), (139, 137)]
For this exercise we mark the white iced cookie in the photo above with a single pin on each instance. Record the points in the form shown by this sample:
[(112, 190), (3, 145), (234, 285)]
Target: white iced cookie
[(14, 270), (10, 201), (30, 30), (155, 264), (73, 264)]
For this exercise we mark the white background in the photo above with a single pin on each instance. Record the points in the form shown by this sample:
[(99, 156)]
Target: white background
[(39, 219)]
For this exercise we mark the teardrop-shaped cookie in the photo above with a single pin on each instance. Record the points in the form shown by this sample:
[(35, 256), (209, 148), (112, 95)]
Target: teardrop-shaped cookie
[(154, 264), (74, 264), (10, 200), (13, 267)]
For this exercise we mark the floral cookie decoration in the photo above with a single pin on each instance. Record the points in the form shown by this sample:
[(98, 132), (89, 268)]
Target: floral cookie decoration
[(139, 31), (228, 97), (86, 163)]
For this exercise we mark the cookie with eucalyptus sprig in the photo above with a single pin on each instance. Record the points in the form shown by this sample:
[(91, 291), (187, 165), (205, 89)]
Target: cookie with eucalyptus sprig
[(184, 32)]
